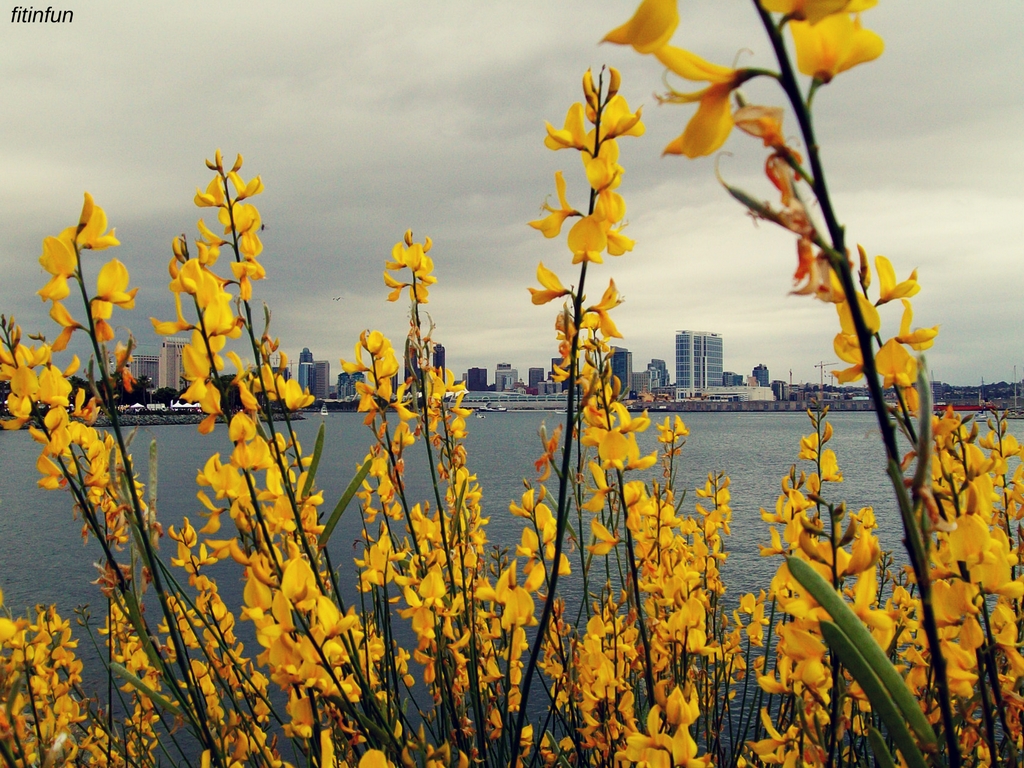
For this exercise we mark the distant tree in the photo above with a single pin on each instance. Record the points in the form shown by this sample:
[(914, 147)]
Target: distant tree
[(164, 395)]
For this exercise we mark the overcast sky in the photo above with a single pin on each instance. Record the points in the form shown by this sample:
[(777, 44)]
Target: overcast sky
[(365, 119)]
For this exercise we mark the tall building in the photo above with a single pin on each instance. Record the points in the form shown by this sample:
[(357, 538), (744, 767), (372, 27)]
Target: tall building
[(347, 384), (658, 371), (622, 368), (321, 387), (698, 361), (536, 377), (760, 373), (146, 365), (640, 382), (171, 366), (476, 380), (505, 377), (307, 371), (730, 379), (439, 356)]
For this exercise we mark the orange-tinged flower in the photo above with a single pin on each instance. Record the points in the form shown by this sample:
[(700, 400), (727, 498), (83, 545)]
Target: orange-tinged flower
[(764, 123), (650, 27), (833, 45), (551, 225)]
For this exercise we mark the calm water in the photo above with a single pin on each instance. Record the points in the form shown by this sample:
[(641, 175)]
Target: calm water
[(43, 558)]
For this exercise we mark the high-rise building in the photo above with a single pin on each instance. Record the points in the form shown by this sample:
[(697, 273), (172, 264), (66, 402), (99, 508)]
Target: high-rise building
[(640, 382), (658, 371), (698, 361), (147, 366), (439, 356), (347, 384), (622, 368), (171, 366), (730, 379), (307, 371), (321, 388), (780, 389), (505, 377), (760, 373), (476, 380), (536, 377)]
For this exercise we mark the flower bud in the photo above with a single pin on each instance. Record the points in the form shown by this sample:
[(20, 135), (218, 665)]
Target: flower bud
[(588, 89), (614, 81)]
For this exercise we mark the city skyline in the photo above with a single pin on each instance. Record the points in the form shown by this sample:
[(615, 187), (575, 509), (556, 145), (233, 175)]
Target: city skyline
[(922, 159)]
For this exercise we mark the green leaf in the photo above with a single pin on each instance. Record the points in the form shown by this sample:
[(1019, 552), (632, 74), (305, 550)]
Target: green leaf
[(881, 701), (868, 649), (879, 750), (343, 502), (318, 449), (157, 698)]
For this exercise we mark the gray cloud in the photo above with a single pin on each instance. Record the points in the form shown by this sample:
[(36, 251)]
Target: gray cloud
[(367, 119)]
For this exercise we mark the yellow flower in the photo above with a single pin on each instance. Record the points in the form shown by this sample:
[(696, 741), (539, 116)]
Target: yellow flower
[(710, 126), (551, 225), (553, 286), (572, 135), (587, 239), (814, 11), (888, 288), (58, 258), (896, 365), (921, 338), (833, 45), (650, 28), (91, 227), (110, 290)]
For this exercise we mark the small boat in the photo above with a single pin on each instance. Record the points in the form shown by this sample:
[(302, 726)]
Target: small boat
[(479, 415), (323, 409)]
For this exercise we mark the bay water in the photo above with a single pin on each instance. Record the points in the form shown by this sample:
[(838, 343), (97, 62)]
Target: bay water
[(43, 558)]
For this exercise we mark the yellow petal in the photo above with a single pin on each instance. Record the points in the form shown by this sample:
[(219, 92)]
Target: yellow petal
[(690, 66), (650, 28), (708, 128)]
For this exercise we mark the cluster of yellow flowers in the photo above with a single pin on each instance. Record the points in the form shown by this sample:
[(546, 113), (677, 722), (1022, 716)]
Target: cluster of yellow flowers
[(457, 650)]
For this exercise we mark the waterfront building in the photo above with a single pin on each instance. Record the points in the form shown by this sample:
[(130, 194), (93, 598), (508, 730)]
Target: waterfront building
[(171, 366), (145, 366), (622, 368), (658, 372), (640, 382), (698, 361), (742, 394), (535, 377), (476, 380), (307, 371), (505, 378), (730, 379), (760, 373), (347, 384), (780, 389), (321, 388), (439, 356)]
